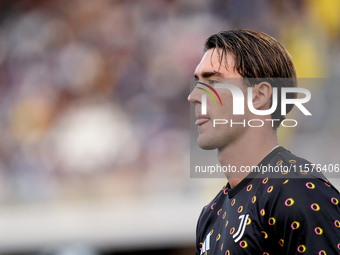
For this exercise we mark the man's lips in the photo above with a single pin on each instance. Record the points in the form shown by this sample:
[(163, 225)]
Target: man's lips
[(201, 120)]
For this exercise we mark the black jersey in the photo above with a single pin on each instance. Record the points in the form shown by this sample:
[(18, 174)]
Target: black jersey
[(289, 212)]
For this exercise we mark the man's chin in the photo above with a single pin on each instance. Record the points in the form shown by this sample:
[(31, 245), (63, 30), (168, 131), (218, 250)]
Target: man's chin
[(206, 145)]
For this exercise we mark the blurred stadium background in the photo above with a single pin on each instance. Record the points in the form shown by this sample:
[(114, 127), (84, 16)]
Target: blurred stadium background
[(94, 144)]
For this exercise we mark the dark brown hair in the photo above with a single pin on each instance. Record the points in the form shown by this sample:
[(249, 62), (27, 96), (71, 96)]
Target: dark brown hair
[(258, 57)]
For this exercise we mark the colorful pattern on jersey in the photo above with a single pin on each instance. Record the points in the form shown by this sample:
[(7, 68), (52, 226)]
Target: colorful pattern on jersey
[(280, 213)]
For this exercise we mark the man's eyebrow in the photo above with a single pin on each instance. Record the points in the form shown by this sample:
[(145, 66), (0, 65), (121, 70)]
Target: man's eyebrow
[(209, 74)]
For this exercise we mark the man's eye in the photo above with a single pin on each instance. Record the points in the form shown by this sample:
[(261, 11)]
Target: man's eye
[(212, 82)]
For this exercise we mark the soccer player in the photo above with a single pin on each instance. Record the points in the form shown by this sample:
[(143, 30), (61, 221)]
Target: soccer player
[(295, 211)]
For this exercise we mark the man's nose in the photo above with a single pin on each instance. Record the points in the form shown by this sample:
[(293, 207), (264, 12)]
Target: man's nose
[(195, 96)]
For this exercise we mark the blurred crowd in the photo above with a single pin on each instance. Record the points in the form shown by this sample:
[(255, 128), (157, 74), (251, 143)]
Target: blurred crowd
[(93, 93), (92, 98)]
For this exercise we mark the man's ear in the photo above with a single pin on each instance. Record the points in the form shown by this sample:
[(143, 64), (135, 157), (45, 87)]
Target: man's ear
[(262, 95)]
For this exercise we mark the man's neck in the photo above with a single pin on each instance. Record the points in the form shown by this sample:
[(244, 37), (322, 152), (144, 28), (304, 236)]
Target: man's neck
[(246, 152)]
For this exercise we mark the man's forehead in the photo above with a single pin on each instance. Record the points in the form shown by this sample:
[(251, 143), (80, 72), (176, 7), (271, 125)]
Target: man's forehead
[(211, 63)]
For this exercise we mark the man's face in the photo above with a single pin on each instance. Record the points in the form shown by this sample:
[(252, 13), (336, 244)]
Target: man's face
[(211, 72)]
